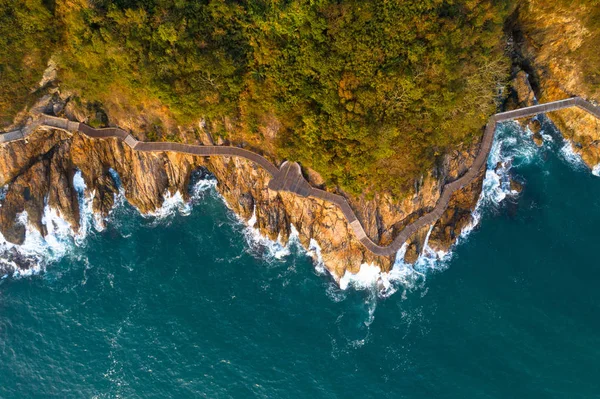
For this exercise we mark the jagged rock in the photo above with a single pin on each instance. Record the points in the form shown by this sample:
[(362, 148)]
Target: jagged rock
[(106, 189), (525, 94), (412, 254), (548, 47), (44, 168), (535, 126), (456, 217)]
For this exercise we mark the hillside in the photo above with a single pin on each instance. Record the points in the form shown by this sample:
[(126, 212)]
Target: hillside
[(370, 95)]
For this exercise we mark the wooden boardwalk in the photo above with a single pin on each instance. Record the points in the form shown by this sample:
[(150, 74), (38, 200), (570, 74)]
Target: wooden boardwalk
[(288, 177)]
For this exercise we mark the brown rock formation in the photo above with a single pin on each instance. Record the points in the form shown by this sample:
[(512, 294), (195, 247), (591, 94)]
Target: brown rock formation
[(41, 172), (552, 43), (457, 216)]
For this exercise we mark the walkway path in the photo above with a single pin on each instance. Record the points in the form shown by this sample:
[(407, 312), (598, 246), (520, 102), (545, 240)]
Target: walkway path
[(289, 176)]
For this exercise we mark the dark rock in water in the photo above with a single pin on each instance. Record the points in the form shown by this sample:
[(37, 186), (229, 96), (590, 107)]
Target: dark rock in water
[(13, 260), (502, 165), (538, 139), (535, 126), (515, 186), (412, 254)]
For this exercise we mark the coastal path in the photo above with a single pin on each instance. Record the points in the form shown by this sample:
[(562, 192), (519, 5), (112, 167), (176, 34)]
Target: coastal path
[(288, 177)]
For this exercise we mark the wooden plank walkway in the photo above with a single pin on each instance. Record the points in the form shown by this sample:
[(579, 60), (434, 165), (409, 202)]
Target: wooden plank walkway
[(289, 177)]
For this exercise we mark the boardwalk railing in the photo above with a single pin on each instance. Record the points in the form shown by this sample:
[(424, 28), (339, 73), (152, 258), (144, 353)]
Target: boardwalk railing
[(289, 176)]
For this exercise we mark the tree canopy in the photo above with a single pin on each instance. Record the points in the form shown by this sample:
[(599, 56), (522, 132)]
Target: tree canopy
[(369, 94)]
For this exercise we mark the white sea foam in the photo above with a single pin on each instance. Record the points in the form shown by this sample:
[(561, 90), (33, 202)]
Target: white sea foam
[(314, 250), (59, 239), (511, 147), (175, 203), (510, 150), (403, 276), (568, 154), (37, 250), (269, 249), (172, 204), (277, 250), (201, 186), (86, 210), (367, 277)]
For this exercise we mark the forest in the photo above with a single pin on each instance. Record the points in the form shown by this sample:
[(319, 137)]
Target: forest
[(368, 94)]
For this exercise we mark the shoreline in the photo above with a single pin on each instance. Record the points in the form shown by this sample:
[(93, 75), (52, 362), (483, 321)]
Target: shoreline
[(402, 275), (288, 177)]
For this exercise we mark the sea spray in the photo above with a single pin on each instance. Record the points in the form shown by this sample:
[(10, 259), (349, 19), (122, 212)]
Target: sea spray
[(571, 157), (263, 246), (172, 204), (87, 219), (511, 147), (314, 250), (37, 251)]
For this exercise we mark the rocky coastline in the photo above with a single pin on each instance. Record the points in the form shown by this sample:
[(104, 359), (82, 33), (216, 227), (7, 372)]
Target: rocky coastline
[(38, 173)]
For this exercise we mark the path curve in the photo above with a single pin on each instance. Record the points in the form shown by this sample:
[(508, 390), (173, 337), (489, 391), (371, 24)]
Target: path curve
[(289, 176)]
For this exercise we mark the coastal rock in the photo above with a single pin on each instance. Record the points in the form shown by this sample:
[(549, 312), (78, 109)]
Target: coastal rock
[(36, 175), (536, 128), (412, 253), (524, 91), (457, 216), (43, 168), (515, 186), (41, 172), (553, 43)]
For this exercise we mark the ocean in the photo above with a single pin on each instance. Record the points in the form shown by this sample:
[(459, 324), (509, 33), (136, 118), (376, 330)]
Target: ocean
[(190, 302)]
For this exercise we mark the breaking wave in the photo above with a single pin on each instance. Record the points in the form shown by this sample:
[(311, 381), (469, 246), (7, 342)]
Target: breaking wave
[(60, 239), (513, 146), (268, 249), (37, 250)]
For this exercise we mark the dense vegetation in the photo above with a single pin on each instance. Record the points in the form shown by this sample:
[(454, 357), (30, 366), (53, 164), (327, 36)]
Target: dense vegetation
[(587, 55), (369, 94), (27, 37)]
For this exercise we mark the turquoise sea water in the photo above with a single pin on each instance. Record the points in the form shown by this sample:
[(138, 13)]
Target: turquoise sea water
[(191, 306)]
